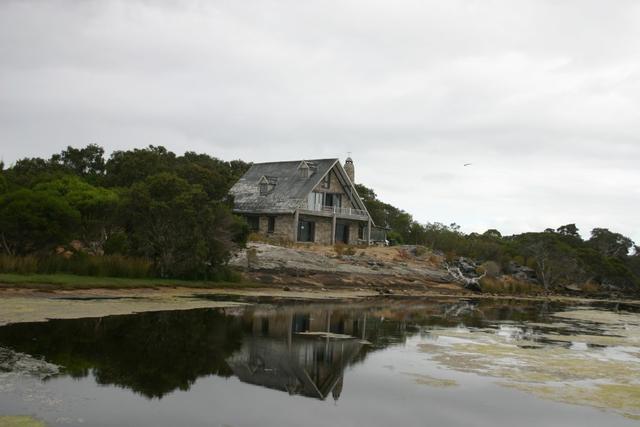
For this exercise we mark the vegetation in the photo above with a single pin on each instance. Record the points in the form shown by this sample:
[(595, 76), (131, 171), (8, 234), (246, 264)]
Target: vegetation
[(560, 257), (139, 213), (72, 281), (149, 213)]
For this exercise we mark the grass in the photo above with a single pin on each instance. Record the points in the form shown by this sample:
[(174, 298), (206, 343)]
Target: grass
[(71, 281)]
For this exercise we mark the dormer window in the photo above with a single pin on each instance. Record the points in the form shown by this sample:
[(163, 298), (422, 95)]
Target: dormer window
[(267, 184), (303, 170), (264, 188)]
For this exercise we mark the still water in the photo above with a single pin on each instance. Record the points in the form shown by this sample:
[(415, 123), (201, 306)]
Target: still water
[(382, 362)]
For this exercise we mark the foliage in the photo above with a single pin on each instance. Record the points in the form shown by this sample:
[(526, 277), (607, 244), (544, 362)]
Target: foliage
[(32, 221), (343, 249), (174, 211), (178, 226), (559, 256)]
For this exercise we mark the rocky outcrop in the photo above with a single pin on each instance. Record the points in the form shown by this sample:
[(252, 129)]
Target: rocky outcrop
[(372, 268)]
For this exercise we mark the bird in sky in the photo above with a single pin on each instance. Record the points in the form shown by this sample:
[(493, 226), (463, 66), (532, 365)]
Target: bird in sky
[(468, 164)]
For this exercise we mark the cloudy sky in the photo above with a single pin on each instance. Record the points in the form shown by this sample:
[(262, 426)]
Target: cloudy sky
[(542, 96)]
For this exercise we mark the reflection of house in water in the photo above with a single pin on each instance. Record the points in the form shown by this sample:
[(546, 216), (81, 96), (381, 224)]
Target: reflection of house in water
[(298, 353)]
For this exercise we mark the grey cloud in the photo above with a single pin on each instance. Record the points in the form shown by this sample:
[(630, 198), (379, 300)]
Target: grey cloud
[(542, 96)]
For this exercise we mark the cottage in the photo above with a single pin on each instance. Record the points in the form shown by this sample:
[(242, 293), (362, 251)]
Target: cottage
[(303, 201)]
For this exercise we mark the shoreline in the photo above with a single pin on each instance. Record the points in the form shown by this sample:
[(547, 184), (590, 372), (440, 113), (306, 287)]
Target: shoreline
[(20, 305)]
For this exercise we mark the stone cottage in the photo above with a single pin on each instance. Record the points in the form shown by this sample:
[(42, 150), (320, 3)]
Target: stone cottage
[(303, 201)]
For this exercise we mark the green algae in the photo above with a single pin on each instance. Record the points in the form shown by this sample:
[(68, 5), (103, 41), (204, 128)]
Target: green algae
[(606, 376), (430, 381), (20, 421)]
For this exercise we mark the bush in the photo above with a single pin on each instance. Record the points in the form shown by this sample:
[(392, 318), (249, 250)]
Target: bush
[(492, 268), (493, 285), (342, 249), (421, 250)]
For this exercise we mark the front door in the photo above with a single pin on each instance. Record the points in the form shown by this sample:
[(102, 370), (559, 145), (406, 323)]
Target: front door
[(342, 233), (306, 231)]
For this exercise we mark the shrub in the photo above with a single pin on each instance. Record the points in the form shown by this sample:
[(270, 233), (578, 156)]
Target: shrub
[(421, 250), (494, 285), (492, 268), (342, 249)]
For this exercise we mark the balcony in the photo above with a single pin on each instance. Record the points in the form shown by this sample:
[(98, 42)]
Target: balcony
[(337, 211)]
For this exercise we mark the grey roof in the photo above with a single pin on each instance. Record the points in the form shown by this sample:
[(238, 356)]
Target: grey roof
[(287, 188), (290, 188)]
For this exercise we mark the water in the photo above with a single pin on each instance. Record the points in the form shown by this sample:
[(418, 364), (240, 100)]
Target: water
[(376, 363)]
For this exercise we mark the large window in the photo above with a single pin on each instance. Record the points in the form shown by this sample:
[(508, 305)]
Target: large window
[(314, 201), (331, 199)]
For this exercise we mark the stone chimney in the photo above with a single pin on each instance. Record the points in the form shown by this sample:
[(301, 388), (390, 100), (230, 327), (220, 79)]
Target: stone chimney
[(348, 167)]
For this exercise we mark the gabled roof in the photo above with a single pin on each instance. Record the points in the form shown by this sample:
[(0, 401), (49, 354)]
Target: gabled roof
[(291, 187)]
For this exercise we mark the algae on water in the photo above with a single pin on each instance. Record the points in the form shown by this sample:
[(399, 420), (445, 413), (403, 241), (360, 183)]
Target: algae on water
[(600, 368), (20, 421)]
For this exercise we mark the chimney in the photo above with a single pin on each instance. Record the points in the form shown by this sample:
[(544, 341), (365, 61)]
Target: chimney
[(348, 167)]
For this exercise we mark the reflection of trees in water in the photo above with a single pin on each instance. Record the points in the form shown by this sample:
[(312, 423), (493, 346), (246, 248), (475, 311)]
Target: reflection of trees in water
[(156, 353), (150, 353)]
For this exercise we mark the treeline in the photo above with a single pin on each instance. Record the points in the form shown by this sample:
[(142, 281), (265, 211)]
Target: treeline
[(141, 212), (559, 256)]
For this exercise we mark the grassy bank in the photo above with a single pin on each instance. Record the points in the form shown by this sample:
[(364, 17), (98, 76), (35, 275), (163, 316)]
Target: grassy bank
[(70, 281)]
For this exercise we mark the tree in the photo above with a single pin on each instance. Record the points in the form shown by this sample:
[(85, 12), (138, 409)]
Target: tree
[(35, 221), (610, 244), (125, 168), (178, 227), (492, 233), (569, 230), (85, 162), (96, 206), (554, 260)]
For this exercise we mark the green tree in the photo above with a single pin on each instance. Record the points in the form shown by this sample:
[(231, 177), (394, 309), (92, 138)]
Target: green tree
[(569, 230), (125, 168), (610, 244), (86, 162), (175, 224), (97, 207), (492, 233), (33, 221)]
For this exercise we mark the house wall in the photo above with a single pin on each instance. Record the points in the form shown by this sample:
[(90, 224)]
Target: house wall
[(283, 226), (324, 230), (335, 187)]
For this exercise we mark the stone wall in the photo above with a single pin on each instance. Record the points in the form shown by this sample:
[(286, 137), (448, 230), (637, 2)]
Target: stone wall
[(283, 227), (323, 228)]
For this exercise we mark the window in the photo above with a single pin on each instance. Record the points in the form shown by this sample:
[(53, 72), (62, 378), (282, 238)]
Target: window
[(314, 202), (361, 231), (264, 188), (331, 199), (267, 184), (303, 170), (254, 223), (271, 224), (326, 181)]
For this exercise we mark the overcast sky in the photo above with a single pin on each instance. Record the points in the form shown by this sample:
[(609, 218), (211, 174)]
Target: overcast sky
[(542, 97)]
